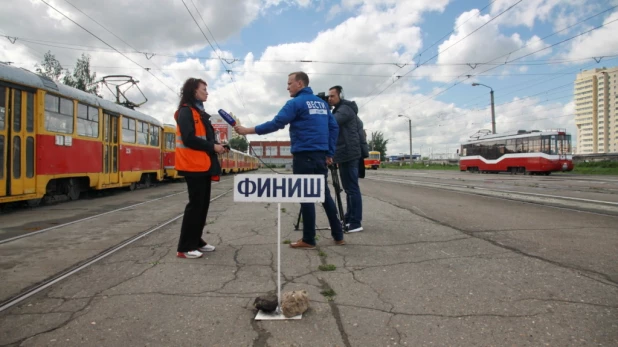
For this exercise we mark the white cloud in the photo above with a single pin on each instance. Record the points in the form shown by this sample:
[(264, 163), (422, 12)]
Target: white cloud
[(528, 11), (597, 43), (334, 10), (467, 46)]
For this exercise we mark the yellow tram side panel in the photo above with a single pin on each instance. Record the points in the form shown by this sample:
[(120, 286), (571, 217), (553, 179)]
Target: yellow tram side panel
[(18, 182), (168, 152)]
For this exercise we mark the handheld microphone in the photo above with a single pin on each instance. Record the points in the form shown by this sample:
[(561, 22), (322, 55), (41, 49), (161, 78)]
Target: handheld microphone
[(227, 117)]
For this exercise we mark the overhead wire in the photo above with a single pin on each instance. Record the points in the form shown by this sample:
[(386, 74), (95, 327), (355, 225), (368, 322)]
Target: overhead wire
[(83, 48), (227, 70), (107, 44), (147, 55), (442, 51), (495, 67), (213, 48), (426, 49)]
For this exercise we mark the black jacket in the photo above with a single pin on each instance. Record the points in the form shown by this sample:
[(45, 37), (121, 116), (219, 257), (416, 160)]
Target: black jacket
[(349, 140)]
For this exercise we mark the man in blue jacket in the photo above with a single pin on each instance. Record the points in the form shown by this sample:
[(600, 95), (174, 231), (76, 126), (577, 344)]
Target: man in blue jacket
[(313, 135)]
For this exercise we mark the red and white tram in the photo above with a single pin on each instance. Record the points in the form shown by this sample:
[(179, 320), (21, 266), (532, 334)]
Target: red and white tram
[(526, 152)]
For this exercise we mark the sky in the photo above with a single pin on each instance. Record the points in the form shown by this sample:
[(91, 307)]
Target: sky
[(417, 59)]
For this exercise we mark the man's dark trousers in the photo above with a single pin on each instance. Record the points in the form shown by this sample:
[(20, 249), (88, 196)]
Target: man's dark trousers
[(312, 163)]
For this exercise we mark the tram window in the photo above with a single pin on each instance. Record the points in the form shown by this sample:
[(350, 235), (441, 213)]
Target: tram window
[(16, 157), (142, 133), (128, 130), (154, 135), (170, 141), (29, 112), (510, 146), (87, 120), (534, 144), (17, 112), (58, 114), (2, 108), (1, 156), (30, 157), (106, 158), (115, 159)]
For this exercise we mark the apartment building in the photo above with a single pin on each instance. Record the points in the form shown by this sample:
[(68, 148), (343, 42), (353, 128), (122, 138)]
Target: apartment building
[(596, 111)]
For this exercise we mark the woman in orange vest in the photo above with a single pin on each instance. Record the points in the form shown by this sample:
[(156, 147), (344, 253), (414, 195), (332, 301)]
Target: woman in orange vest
[(196, 160)]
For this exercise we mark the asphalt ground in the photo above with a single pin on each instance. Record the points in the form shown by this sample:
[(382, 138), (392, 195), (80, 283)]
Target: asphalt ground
[(433, 267)]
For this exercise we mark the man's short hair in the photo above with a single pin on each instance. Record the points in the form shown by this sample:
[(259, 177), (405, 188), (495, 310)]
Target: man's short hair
[(301, 76), (339, 89)]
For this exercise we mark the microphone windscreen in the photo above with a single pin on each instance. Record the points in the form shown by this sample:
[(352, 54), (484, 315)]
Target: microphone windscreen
[(227, 117)]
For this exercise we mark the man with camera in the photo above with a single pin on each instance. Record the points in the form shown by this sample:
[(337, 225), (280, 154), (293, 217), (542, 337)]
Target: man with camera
[(313, 135), (348, 155)]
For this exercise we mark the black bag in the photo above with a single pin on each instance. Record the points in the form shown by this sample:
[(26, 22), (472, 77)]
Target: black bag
[(361, 168), (362, 139)]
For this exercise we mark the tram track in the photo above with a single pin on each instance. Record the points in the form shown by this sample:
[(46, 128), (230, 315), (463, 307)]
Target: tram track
[(602, 207), (95, 216), (50, 281)]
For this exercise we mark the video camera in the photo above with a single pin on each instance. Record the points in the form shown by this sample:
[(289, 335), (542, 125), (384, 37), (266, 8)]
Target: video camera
[(322, 96)]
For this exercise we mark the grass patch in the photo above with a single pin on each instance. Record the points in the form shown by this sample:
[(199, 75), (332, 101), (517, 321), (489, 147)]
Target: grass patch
[(283, 209), (329, 294), (605, 167), (317, 237), (327, 267), (287, 242), (321, 254)]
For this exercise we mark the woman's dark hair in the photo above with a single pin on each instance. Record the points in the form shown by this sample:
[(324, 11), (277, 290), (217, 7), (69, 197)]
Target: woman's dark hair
[(187, 93)]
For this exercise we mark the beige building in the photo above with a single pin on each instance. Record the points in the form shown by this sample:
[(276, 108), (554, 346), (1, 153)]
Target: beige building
[(596, 111)]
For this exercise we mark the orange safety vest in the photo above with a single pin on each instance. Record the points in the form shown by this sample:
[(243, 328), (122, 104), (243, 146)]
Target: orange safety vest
[(188, 159)]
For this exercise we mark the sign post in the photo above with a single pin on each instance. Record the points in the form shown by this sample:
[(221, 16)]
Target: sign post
[(279, 188)]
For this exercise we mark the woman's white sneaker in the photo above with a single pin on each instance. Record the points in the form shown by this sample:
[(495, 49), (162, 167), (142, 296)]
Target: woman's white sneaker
[(206, 248), (189, 255)]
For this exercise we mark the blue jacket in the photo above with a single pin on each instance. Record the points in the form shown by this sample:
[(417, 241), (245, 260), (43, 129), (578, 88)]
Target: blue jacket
[(312, 125)]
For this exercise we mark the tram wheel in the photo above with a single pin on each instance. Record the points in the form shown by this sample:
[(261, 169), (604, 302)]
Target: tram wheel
[(147, 181), (73, 189), (34, 202)]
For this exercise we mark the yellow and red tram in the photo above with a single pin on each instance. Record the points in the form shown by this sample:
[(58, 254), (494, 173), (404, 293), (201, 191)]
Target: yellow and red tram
[(56, 139)]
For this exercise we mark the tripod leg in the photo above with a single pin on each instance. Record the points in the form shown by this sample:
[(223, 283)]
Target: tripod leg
[(337, 186), (298, 220)]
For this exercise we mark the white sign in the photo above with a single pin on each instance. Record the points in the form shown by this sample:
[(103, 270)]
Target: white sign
[(279, 188)]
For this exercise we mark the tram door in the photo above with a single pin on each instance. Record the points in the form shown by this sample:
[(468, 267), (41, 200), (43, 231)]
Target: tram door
[(110, 149), (16, 142)]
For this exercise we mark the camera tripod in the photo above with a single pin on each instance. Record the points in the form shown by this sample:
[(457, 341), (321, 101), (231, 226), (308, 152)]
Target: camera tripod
[(337, 185)]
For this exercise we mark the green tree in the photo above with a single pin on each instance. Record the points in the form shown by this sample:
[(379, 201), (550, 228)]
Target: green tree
[(81, 77), (378, 143), (239, 143), (50, 67)]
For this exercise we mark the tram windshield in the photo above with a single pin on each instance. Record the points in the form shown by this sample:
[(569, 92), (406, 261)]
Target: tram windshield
[(556, 144)]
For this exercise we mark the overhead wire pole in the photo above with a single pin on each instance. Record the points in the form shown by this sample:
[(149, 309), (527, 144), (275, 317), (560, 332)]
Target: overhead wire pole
[(493, 112), (410, 125), (107, 44)]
